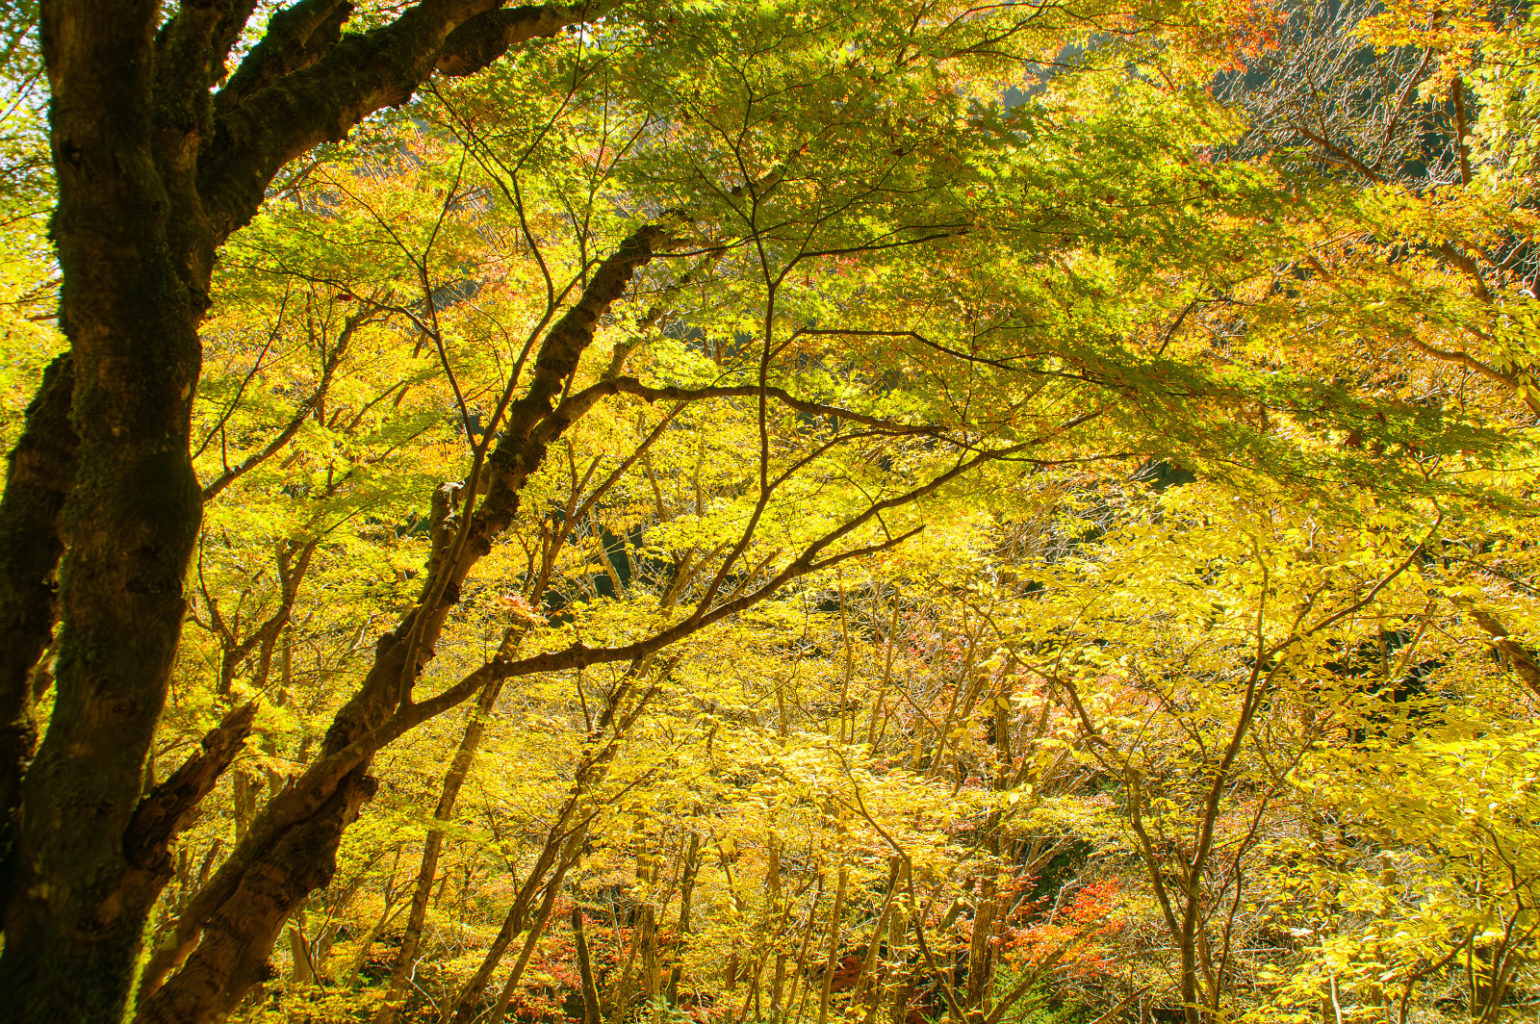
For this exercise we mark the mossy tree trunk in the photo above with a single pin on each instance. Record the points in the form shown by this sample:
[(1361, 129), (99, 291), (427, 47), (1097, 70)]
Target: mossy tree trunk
[(155, 169)]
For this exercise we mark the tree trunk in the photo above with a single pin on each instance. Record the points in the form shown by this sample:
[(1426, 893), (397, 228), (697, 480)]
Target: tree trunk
[(649, 941), (867, 986), (981, 948), (130, 302), (154, 170), (615, 1005), (585, 970), (41, 476), (686, 893), (799, 976), (417, 916), (536, 931), (902, 987), (835, 916), (301, 969)]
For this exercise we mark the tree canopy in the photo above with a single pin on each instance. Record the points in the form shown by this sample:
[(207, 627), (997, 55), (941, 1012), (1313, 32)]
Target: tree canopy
[(1015, 513)]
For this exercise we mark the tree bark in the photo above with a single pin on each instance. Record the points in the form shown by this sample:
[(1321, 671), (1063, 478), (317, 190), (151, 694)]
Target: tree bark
[(981, 949), (155, 171), (835, 918), (129, 306), (291, 846), (686, 895), (40, 478), (417, 916), (585, 970)]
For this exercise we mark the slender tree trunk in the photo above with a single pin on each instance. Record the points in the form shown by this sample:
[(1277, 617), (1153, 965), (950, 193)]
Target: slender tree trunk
[(542, 918), (903, 990), (559, 841), (800, 976), (371, 937), (466, 1006), (619, 998), (422, 891), (686, 894), (835, 916), (890, 645), (585, 970), (981, 948), (867, 978), (301, 969), (649, 928)]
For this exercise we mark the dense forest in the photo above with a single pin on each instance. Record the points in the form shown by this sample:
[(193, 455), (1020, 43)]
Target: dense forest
[(727, 511)]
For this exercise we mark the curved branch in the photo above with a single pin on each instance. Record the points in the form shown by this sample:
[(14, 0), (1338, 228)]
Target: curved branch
[(313, 84), (578, 404)]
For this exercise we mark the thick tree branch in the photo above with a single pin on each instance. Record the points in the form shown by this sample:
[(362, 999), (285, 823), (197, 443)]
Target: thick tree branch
[(1521, 659), (579, 655), (312, 86), (404, 652), (482, 39), (190, 51), (162, 814), (579, 403), (227, 928), (296, 37)]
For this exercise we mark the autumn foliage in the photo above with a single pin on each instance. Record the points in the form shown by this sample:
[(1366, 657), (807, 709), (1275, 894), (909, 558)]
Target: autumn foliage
[(722, 511)]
